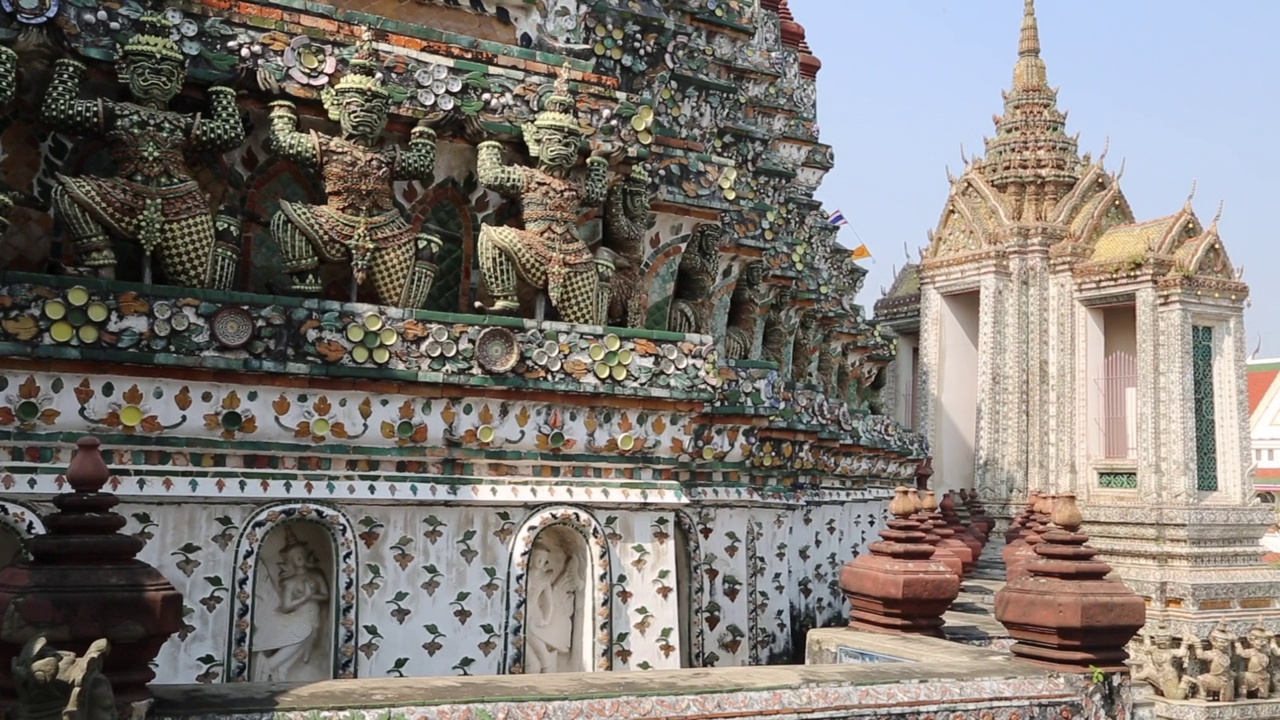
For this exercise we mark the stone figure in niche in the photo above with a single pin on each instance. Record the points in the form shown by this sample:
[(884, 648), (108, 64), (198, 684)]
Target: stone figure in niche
[(291, 615), (359, 221), (1218, 682), (744, 313), (548, 253), (1161, 663), (806, 345), (695, 278), (56, 685), (154, 199), (777, 327), (626, 221), (554, 607), (829, 354), (869, 379)]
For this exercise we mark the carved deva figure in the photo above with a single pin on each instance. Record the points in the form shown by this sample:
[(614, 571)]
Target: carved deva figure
[(291, 607), (1255, 680), (359, 221), (626, 220), (554, 584), (56, 685), (548, 253), (1162, 664), (1218, 682), (153, 201)]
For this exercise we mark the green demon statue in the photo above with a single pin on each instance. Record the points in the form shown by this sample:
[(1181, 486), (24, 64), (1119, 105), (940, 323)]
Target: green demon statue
[(8, 87), (8, 75), (626, 221), (153, 200), (548, 254), (360, 221)]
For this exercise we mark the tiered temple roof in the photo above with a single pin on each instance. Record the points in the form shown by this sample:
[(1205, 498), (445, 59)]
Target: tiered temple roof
[(1032, 174)]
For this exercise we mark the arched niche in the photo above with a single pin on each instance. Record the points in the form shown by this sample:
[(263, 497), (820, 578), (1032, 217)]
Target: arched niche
[(690, 590), (295, 568), (18, 524), (560, 615)]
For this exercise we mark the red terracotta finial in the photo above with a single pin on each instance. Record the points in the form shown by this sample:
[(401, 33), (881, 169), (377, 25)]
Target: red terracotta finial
[(951, 515), (924, 471), (1066, 515), (83, 584), (943, 553), (1022, 551), (1018, 527), (979, 521), (899, 587), (947, 535), (1065, 613), (901, 506), (87, 472)]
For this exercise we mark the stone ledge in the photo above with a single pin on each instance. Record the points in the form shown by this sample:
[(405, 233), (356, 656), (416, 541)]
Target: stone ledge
[(1195, 710), (726, 692)]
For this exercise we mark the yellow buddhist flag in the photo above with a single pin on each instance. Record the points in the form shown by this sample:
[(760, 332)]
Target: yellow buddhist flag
[(860, 253)]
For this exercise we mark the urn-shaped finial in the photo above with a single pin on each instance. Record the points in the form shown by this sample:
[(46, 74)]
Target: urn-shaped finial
[(901, 506), (83, 584), (1066, 514), (899, 587), (87, 472), (1062, 610)]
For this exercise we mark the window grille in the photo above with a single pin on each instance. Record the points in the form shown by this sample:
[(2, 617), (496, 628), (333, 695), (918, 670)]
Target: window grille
[(1205, 423)]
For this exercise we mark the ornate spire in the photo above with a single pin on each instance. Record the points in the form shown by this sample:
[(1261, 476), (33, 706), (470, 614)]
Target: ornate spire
[(1029, 72), (1029, 42), (1031, 157)]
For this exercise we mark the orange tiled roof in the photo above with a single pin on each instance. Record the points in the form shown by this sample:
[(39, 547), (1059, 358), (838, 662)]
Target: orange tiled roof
[(1261, 377)]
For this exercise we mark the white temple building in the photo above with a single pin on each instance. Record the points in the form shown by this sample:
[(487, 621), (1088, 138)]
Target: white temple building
[(1264, 427), (1050, 340)]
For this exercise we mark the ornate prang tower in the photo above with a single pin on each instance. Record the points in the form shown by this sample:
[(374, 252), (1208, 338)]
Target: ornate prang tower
[(1066, 347)]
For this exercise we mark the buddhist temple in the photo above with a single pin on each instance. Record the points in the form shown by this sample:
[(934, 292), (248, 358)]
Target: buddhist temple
[(481, 338), (1050, 340), (352, 357)]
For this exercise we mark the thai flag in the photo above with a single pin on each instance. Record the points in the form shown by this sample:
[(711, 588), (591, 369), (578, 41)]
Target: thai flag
[(837, 218)]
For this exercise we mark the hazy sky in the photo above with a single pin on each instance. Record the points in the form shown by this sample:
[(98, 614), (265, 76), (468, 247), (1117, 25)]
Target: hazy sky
[(1185, 89)]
